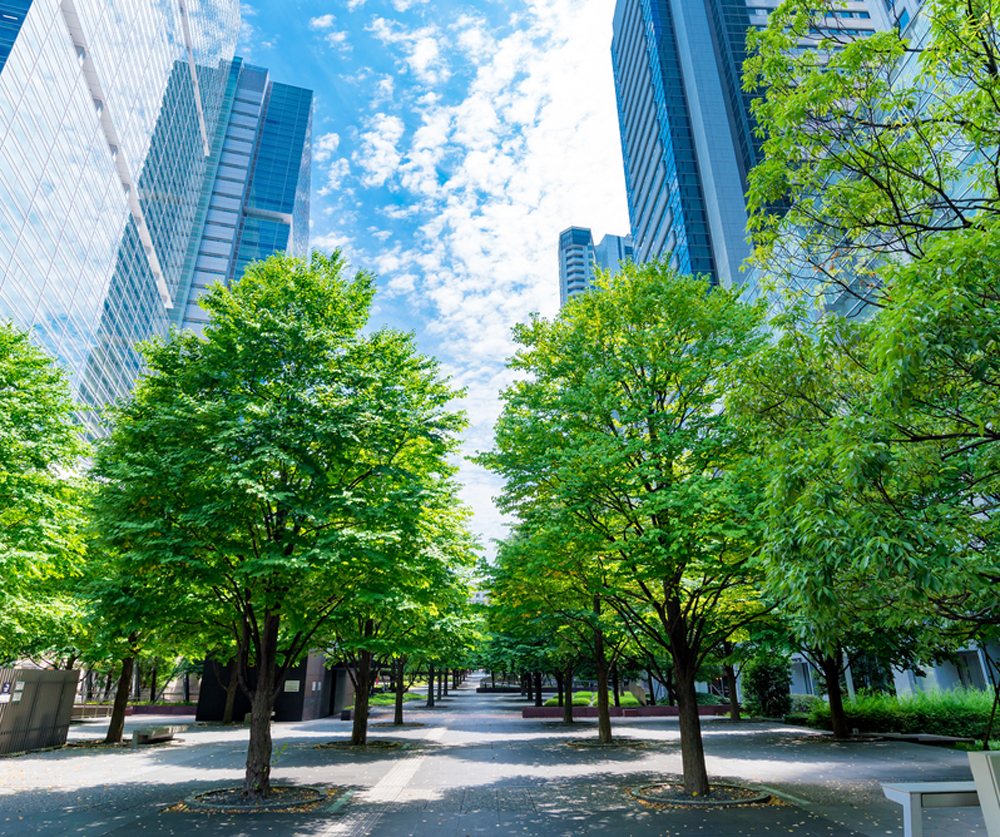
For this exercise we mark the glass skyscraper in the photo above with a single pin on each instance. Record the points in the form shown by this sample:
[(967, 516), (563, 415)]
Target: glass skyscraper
[(258, 197), (578, 257), (686, 128), (118, 129)]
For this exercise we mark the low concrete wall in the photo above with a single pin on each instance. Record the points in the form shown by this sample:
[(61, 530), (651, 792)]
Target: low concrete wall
[(618, 711)]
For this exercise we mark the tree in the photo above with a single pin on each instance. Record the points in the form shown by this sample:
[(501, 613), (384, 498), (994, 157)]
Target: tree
[(872, 147), (269, 464), (402, 613), (617, 435), (883, 156), (41, 500)]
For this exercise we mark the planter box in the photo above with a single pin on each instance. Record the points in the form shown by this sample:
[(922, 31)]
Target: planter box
[(618, 711), (169, 709)]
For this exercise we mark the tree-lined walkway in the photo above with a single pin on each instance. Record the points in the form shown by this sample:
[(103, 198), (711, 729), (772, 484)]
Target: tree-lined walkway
[(476, 768)]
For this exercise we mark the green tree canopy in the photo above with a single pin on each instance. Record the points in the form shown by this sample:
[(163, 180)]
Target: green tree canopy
[(272, 464), (616, 436)]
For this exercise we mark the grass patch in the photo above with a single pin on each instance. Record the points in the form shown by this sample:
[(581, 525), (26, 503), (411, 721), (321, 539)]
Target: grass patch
[(388, 699)]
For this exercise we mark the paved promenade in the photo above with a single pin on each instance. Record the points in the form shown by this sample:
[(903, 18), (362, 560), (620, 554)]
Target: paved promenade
[(476, 768)]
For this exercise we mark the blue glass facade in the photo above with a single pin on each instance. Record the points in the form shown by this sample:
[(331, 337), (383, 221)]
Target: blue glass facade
[(687, 133), (12, 13), (258, 198), (119, 127), (665, 197)]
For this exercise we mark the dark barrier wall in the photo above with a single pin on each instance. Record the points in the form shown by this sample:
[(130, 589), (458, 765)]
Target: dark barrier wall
[(307, 692), (35, 708)]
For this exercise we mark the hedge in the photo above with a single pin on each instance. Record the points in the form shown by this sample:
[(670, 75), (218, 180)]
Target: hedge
[(960, 712)]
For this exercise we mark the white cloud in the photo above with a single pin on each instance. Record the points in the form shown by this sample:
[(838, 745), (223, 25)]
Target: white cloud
[(338, 40), (378, 155), (335, 174), (421, 48), (322, 22), (482, 183), (355, 4), (324, 146)]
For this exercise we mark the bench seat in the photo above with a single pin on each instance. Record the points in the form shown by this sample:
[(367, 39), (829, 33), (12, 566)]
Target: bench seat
[(915, 796)]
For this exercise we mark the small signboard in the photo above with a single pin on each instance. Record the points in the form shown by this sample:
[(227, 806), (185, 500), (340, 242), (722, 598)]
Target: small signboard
[(291, 685), (5, 689)]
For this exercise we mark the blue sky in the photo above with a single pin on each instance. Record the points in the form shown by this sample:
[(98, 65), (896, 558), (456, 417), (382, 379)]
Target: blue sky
[(451, 143)]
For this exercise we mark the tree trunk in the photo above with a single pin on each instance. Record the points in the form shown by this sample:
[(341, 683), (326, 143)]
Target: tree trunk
[(838, 719), (116, 725), (559, 689), (730, 672), (234, 682), (671, 692), (568, 705), (442, 674), (493, 678), (651, 700), (684, 671), (538, 688), (397, 718), (614, 683), (430, 685), (152, 685), (257, 779), (601, 664), (444, 681), (359, 734)]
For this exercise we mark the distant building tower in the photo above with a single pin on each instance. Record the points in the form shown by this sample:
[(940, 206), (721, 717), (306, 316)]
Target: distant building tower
[(578, 257), (259, 197), (687, 133)]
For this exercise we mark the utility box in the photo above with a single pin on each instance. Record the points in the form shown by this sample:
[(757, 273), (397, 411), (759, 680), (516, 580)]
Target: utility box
[(35, 708), (986, 772)]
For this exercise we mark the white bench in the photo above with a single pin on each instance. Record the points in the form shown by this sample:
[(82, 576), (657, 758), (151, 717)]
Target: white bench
[(986, 771), (915, 796)]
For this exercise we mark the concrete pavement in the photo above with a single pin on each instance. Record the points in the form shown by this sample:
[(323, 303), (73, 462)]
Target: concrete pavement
[(477, 768)]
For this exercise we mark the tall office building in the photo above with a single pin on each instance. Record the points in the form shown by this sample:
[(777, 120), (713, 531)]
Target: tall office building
[(686, 129), (122, 132), (259, 195), (578, 256)]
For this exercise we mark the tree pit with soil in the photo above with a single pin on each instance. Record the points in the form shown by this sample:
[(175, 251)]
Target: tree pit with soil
[(283, 799), (673, 795)]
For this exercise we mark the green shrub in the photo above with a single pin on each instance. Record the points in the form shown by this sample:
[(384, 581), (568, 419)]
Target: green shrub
[(959, 712), (628, 699), (977, 746), (766, 682), (709, 699), (581, 699), (587, 695), (552, 701), (803, 704)]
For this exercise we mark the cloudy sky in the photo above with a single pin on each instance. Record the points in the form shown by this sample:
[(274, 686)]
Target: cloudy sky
[(452, 141)]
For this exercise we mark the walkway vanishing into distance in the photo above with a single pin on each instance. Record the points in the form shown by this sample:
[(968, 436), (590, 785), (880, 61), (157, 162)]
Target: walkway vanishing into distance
[(477, 768)]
